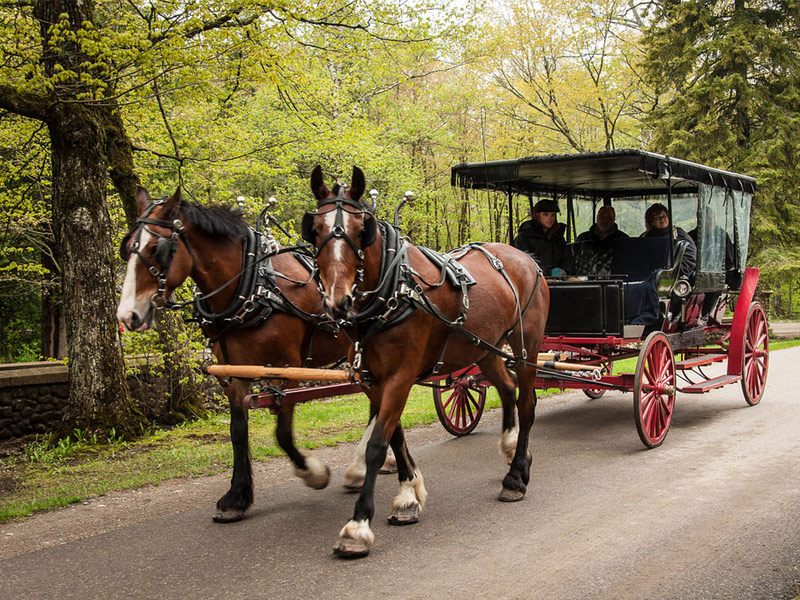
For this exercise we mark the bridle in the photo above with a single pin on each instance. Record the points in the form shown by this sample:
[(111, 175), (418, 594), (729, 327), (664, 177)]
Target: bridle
[(338, 231), (165, 249)]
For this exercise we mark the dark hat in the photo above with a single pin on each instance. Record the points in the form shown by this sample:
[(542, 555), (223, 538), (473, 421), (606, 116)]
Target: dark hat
[(546, 206)]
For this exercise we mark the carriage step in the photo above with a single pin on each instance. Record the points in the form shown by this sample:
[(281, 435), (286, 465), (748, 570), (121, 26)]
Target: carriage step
[(710, 384), (699, 361)]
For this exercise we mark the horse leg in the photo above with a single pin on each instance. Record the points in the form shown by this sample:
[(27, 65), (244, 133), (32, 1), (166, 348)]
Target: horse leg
[(232, 506), (357, 469), (515, 483), (409, 501), (314, 473), (495, 371), (356, 537)]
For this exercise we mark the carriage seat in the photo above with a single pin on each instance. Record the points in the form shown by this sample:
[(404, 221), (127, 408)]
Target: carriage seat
[(639, 262), (456, 272)]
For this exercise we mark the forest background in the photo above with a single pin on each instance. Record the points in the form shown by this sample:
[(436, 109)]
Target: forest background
[(242, 98)]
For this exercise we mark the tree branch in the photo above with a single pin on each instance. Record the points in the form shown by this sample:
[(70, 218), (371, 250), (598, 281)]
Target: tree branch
[(26, 104)]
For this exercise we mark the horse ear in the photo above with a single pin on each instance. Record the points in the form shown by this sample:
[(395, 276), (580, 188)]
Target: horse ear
[(143, 199), (370, 231), (307, 228), (173, 204), (318, 187), (357, 185)]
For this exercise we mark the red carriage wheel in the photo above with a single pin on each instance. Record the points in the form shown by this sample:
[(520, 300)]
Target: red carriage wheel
[(654, 389), (755, 354), (460, 404)]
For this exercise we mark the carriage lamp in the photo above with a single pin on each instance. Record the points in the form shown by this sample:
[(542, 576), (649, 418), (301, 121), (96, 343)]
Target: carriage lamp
[(240, 201), (409, 196), (682, 288)]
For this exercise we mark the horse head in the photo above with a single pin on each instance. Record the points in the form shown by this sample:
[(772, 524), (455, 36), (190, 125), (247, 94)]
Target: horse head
[(159, 259), (341, 229)]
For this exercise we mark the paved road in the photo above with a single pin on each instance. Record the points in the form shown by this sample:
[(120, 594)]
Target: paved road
[(713, 513)]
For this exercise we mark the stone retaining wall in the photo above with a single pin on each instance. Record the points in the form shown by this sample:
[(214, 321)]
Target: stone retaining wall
[(32, 398)]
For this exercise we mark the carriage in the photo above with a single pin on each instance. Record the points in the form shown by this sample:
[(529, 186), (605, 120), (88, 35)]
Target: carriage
[(633, 299)]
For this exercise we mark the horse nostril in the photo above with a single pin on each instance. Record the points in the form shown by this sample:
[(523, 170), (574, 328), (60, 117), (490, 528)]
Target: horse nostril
[(347, 303), (135, 321)]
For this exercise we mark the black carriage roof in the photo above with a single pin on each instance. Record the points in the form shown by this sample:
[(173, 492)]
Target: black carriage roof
[(614, 173)]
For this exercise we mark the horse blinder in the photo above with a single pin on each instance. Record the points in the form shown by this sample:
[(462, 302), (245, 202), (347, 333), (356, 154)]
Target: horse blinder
[(307, 228), (370, 231), (124, 253)]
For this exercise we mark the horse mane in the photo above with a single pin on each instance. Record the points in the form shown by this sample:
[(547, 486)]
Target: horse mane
[(215, 220)]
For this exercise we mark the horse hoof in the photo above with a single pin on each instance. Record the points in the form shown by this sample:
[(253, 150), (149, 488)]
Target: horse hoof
[(353, 483), (350, 548), (228, 516), (508, 495), (405, 516)]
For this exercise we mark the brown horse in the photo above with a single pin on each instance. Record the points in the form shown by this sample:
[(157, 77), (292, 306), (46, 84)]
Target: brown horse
[(447, 329), (173, 240)]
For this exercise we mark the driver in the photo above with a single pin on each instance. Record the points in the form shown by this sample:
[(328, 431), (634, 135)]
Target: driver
[(543, 238)]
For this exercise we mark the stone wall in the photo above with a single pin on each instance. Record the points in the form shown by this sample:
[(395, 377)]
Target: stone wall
[(32, 398)]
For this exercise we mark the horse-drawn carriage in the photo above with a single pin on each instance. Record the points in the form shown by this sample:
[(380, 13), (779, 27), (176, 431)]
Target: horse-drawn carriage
[(632, 299), (458, 321)]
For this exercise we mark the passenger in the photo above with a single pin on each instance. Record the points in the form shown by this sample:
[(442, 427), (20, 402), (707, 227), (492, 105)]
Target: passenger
[(605, 231), (543, 238), (656, 223)]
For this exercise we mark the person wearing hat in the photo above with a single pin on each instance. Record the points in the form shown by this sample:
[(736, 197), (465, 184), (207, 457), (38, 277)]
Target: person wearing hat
[(543, 238)]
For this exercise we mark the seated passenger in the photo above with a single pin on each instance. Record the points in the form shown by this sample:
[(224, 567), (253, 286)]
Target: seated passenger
[(543, 238), (656, 223), (605, 231)]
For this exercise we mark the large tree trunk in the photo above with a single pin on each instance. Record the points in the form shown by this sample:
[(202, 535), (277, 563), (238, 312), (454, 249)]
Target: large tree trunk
[(99, 397)]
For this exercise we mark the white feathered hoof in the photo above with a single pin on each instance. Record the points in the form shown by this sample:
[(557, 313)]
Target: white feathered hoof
[(508, 444), (316, 475), (228, 516), (406, 515), (355, 540)]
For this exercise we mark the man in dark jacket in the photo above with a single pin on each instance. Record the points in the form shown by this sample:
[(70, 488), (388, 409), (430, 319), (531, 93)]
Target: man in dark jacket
[(543, 238), (593, 250)]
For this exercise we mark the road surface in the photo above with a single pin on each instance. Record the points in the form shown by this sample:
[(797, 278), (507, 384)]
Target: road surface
[(713, 513)]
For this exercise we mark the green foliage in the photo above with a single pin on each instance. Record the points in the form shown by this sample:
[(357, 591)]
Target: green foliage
[(729, 77)]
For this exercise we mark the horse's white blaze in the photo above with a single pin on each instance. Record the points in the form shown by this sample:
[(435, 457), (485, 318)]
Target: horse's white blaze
[(336, 243), (411, 493), (130, 302), (357, 470), (508, 443), (315, 475), (358, 530)]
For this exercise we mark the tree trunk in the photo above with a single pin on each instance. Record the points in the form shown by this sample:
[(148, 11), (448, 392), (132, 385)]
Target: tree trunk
[(99, 398)]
